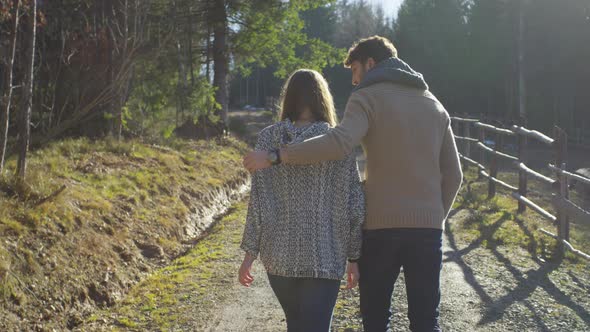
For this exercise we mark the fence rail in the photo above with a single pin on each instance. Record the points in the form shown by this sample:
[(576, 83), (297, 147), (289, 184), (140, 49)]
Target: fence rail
[(536, 175), (569, 175), (565, 208), (533, 134)]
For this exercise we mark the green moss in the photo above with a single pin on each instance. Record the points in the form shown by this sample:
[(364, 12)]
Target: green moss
[(169, 245), (5, 263), (141, 179), (11, 226), (127, 322), (98, 203)]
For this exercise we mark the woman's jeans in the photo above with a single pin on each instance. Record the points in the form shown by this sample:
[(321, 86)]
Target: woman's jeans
[(384, 253), (308, 303)]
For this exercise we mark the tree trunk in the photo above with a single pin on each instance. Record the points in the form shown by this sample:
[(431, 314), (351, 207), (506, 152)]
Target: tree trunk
[(27, 104), (181, 87), (521, 63), (208, 55), (8, 92), (190, 46), (258, 103), (220, 58), (118, 95), (182, 79)]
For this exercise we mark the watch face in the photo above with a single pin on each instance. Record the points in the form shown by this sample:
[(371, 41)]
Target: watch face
[(273, 157)]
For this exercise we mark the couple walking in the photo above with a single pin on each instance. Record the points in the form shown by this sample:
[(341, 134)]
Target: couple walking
[(311, 220)]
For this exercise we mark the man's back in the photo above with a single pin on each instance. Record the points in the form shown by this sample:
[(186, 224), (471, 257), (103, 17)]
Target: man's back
[(406, 131)]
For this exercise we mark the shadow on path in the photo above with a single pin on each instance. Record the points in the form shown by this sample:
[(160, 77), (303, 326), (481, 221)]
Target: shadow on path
[(527, 282)]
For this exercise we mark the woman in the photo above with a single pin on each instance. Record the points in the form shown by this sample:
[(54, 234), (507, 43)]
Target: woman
[(304, 221)]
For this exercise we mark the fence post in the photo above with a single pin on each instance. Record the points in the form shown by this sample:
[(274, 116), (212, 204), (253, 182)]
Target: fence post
[(455, 127), (522, 158), (494, 166), (560, 146), (466, 133), (564, 222), (482, 154)]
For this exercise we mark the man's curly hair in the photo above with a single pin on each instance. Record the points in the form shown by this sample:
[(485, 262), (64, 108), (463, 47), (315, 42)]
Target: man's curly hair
[(376, 47)]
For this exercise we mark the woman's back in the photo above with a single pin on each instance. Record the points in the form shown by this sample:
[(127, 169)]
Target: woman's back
[(304, 220)]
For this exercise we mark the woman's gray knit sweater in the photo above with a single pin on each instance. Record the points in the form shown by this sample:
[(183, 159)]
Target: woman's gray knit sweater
[(304, 221)]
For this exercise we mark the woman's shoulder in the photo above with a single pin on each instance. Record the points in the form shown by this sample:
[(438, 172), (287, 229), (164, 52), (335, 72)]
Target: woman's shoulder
[(322, 125), (273, 128), (288, 124)]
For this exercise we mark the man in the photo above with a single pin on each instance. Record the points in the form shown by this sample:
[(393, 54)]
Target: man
[(412, 177)]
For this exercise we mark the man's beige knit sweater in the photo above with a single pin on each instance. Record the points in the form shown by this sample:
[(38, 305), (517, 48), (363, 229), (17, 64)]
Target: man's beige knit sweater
[(413, 171)]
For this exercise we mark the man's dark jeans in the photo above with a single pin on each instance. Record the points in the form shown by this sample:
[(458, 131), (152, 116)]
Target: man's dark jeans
[(385, 252), (308, 303)]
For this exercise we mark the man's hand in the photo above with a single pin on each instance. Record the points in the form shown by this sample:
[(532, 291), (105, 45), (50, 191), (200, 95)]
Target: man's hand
[(244, 276), (352, 275), (256, 160)]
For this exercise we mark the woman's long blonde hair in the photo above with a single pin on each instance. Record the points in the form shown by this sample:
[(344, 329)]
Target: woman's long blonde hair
[(307, 88)]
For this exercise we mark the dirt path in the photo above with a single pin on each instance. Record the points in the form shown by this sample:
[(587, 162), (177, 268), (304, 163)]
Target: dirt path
[(250, 309), (256, 308), (460, 305)]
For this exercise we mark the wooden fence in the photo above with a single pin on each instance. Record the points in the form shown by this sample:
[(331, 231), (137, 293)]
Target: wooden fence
[(490, 140)]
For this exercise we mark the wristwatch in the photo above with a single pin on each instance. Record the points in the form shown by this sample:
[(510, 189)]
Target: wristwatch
[(274, 157), (353, 260)]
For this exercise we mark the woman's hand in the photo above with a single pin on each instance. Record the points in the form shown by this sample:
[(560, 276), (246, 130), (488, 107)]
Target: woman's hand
[(244, 276), (352, 275), (256, 160)]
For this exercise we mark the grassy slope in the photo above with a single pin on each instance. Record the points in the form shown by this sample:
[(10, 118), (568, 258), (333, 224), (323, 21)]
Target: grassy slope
[(80, 248), (173, 296)]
